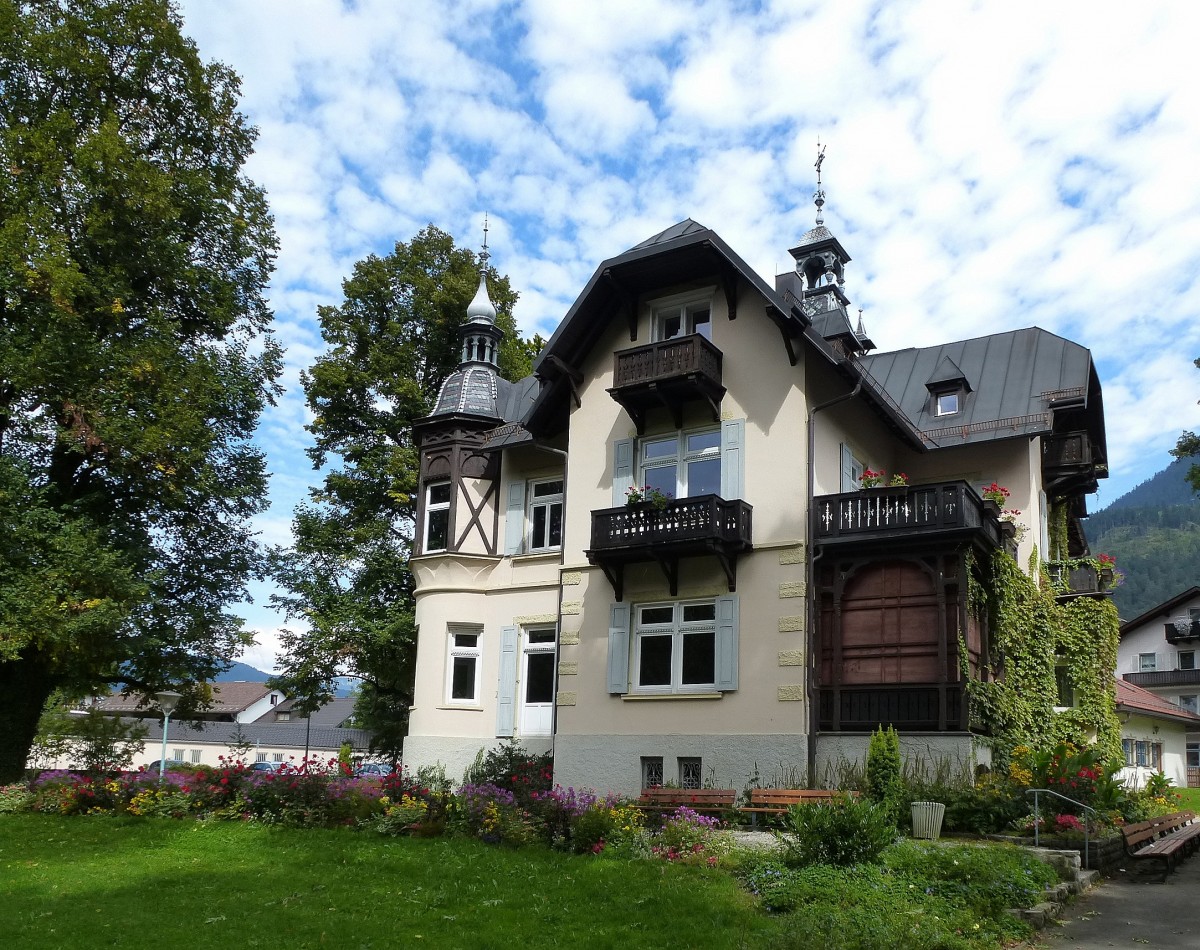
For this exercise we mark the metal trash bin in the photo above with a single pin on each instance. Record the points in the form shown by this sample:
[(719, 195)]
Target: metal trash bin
[(927, 819)]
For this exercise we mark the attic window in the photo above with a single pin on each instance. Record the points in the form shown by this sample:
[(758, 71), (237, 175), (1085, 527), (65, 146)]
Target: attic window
[(274, 699), (947, 403)]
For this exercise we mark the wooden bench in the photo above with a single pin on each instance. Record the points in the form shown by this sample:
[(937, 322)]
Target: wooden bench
[(776, 801), (707, 801), (1168, 838)]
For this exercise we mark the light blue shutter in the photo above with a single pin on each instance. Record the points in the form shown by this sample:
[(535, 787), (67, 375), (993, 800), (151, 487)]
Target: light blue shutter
[(733, 464), (514, 519), (506, 694), (847, 469), (618, 649), (622, 470), (727, 642)]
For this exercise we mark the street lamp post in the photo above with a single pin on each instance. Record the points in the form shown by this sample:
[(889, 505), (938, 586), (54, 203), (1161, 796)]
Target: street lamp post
[(167, 701)]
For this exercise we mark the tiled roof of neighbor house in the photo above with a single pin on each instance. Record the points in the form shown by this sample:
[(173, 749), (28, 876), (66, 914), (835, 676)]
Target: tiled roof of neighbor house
[(1012, 379), (1164, 609), (1139, 700), (227, 698)]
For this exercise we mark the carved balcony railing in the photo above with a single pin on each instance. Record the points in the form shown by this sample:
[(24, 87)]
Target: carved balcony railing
[(1080, 578), (669, 373), (687, 527), (909, 512)]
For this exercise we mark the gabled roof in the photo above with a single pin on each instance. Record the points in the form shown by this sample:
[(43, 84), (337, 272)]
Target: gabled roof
[(227, 698), (1142, 701), (946, 372), (1017, 378), (1166, 608), (687, 251)]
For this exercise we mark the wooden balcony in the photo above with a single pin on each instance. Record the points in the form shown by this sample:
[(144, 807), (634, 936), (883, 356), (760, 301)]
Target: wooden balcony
[(706, 525), (1180, 631), (1079, 579), (911, 513), (670, 374), (928, 708), (1152, 678)]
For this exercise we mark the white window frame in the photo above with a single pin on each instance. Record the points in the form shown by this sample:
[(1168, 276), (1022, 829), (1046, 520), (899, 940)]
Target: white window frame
[(1147, 662), (197, 755), (685, 308), (535, 644), (947, 402), (681, 459), (457, 649), (439, 508), (179, 755), (678, 629), (1192, 755), (1190, 702), (547, 503)]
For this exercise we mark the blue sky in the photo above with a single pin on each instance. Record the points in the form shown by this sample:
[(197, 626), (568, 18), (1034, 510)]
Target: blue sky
[(989, 166)]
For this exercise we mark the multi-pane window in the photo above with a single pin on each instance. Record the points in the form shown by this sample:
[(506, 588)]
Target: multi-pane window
[(1127, 748), (1144, 753), (1147, 662), (680, 319), (1193, 755), (437, 516), (683, 464), (652, 771), (196, 753), (546, 515), (463, 665), (1190, 703), (179, 755), (675, 647), (689, 773)]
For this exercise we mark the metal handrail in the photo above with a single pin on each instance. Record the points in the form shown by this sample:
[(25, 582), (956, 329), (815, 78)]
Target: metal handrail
[(1037, 817)]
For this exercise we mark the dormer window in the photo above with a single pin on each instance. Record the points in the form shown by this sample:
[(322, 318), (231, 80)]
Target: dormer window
[(948, 388), (947, 403)]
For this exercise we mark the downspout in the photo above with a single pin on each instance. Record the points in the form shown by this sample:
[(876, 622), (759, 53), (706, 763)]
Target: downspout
[(810, 667), (562, 559)]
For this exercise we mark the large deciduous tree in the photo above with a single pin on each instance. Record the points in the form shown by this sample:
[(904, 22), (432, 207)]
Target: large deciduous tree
[(135, 356), (1189, 447), (392, 342)]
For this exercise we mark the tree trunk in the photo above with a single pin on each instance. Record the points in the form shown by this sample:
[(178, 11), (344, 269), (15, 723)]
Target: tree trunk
[(25, 685)]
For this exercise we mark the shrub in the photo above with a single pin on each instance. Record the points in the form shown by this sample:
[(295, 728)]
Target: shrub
[(845, 832), (883, 770), (491, 814), (609, 825), (512, 767), (15, 798), (558, 810)]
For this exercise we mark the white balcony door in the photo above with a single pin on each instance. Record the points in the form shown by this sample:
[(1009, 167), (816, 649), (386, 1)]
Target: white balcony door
[(537, 682)]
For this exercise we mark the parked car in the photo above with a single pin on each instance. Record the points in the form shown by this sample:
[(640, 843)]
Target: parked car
[(264, 766), (156, 765), (373, 770)]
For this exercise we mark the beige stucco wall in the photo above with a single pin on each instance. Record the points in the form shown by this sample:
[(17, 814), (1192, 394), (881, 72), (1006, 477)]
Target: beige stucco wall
[(474, 533), (1173, 737)]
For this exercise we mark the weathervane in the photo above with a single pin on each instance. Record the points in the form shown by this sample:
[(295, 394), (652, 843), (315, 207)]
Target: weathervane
[(484, 256), (819, 194)]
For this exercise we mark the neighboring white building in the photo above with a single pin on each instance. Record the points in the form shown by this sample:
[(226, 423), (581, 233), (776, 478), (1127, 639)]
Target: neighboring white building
[(762, 611), (1159, 651), (1154, 737)]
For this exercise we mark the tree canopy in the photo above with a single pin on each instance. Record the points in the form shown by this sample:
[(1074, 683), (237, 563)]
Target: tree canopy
[(1189, 447), (392, 342), (135, 356)]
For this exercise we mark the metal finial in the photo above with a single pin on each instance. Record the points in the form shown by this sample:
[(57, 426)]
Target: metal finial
[(484, 256), (819, 194)]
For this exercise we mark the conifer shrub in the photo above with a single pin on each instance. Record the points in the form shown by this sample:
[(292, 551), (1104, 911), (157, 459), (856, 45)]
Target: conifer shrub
[(884, 784)]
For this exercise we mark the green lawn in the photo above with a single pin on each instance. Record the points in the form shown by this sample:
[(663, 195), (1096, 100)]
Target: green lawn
[(1190, 798), (124, 882)]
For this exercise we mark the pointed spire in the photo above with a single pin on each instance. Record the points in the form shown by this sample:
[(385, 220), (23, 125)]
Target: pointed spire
[(819, 194), (481, 309)]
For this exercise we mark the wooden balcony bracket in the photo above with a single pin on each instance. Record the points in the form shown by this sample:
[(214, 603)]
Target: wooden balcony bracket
[(574, 377)]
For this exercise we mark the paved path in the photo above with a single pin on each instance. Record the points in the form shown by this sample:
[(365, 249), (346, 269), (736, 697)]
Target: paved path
[(1133, 912)]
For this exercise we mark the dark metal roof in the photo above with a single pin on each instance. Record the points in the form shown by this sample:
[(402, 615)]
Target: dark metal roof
[(471, 389), (1014, 375)]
